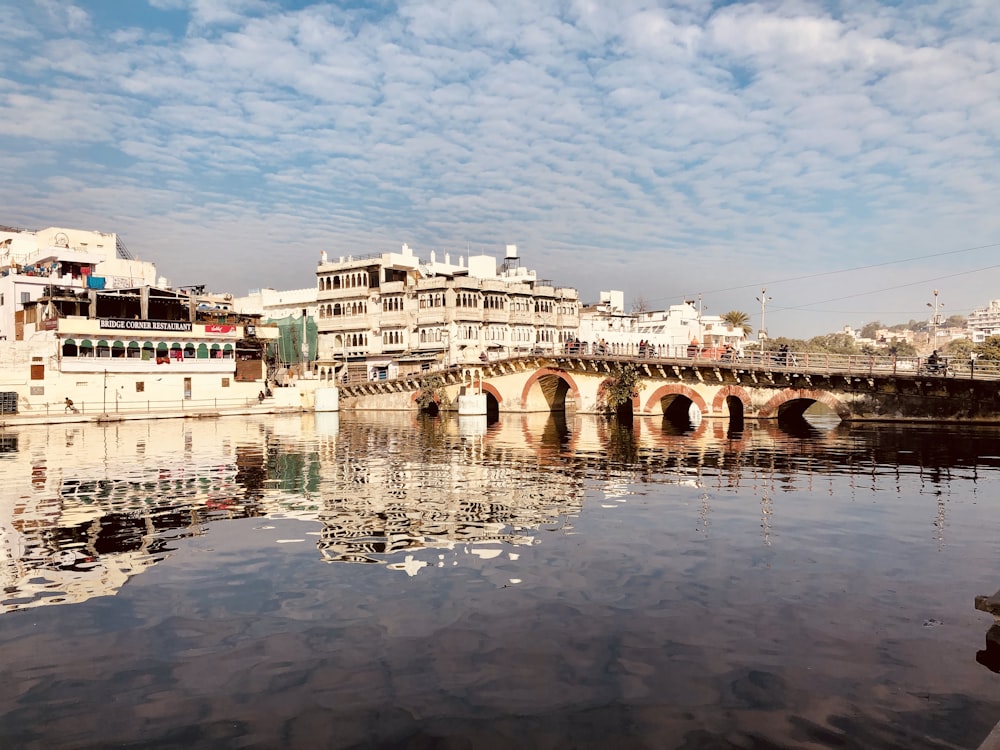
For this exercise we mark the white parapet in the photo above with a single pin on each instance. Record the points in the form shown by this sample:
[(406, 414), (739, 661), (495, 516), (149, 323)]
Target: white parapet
[(470, 404)]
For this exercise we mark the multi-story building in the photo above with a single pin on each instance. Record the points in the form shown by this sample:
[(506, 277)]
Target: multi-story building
[(391, 312), (678, 331), (32, 262), (984, 322)]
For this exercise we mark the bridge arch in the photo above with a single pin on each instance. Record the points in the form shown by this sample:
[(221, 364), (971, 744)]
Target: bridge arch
[(793, 402), (493, 401), (726, 397), (663, 399), (546, 390)]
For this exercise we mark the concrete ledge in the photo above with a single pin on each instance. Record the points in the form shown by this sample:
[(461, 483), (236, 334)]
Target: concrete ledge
[(21, 420)]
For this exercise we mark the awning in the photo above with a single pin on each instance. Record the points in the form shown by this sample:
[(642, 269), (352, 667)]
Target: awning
[(69, 342), (133, 345), (86, 344), (148, 345), (161, 347), (118, 345), (102, 343)]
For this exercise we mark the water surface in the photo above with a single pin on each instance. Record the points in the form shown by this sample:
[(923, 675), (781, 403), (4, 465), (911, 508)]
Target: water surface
[(384, 581)]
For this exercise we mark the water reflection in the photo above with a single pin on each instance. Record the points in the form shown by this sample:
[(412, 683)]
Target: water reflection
[(541, 580), (385, 485)]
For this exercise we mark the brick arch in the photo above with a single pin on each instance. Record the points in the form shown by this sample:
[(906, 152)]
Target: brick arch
[(770, 409), (543, 372), (736, 391), (678, 390), (492, 390)]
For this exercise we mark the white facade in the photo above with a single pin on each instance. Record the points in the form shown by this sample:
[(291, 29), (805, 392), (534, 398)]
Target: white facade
[(274, 303), (31, 262), (671, 332), (984, 322), (377, 311)]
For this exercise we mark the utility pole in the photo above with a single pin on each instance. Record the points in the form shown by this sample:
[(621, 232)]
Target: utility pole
[(762, 333), (934, 319)]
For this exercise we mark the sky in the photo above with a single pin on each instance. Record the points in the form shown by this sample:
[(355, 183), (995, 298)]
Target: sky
[(844, 155)]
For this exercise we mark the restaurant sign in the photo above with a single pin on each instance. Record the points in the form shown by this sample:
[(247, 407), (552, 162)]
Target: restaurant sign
[(219, 328), (125, 324)]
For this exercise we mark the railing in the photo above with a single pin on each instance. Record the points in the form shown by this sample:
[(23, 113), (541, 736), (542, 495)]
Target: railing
[(815, 363), (823, 363), (113, 406)]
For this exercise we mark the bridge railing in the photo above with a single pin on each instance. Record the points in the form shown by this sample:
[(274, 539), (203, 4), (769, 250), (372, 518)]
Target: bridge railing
[(825, 363), (820, 363)]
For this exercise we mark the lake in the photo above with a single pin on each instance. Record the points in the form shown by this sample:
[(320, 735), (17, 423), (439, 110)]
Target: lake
[(384, 580)]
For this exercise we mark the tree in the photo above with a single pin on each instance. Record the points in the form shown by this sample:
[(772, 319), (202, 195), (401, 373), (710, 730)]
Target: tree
[(870, 330), (432, 395), (619, 389), (990, 349), (901, 348), (954, 321), (738, 319), (835, 343), (960, 348)]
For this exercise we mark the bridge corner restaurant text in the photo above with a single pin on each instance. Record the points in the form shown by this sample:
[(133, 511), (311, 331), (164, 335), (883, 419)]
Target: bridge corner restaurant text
[(144, 325)]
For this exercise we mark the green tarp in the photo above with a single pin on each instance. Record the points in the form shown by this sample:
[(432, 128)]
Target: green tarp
[(290, 339)]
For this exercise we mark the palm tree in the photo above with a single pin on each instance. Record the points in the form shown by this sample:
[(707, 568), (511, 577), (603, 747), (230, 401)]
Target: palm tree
[(738, 319)]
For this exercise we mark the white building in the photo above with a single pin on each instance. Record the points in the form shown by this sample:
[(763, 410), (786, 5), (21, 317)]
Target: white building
[(382, 312), (678, 331), (31, 262), (984, 322), (274, 303)]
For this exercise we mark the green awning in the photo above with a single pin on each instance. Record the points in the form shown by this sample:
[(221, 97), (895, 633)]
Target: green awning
[(161, 347), (148, 345), (227, 348), (133, 345), (102, 343), (69, 342), (118, 345), (86, 344)]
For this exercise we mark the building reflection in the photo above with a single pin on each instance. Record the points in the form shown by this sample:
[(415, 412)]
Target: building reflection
[(86, 507)]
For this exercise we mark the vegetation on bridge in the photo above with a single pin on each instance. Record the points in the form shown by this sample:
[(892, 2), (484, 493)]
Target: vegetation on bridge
[(615, 394), (431, 395)]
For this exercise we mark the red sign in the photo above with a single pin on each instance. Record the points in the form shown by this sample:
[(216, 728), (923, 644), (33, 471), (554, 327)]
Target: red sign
[(219, 328)]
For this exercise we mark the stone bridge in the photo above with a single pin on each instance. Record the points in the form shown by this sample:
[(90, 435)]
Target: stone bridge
[(853, 388)]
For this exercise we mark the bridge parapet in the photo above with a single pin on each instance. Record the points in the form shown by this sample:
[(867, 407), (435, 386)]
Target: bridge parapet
[(853, 386)]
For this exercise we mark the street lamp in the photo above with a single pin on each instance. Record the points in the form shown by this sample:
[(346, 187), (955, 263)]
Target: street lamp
[(762, 332), (934, 319)]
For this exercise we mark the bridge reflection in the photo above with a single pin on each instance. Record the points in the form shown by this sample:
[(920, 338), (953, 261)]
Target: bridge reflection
[(87, 507)]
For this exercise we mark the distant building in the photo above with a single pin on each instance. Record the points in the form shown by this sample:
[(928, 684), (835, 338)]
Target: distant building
[(678, 331), (389, 312), (984, 322)]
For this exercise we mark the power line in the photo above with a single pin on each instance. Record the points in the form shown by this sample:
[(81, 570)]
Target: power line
[(889, 288), (850, 270)]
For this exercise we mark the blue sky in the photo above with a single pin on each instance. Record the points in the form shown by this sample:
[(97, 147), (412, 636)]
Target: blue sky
[(844, 155)]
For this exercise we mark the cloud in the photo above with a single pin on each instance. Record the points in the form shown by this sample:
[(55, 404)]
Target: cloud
[(663, 150)]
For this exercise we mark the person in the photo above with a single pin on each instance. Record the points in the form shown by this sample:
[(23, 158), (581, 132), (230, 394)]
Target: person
[(69, 404), (260, 397), (933, 361)]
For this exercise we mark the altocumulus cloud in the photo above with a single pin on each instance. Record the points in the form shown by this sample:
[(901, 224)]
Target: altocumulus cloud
[(667, 149)]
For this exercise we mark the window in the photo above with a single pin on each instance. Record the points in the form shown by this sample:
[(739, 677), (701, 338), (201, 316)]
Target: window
[(225, 382), (140, 386)]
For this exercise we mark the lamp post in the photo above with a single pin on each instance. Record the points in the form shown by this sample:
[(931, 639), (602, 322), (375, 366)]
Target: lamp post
[(762, 332), (934, 319)]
